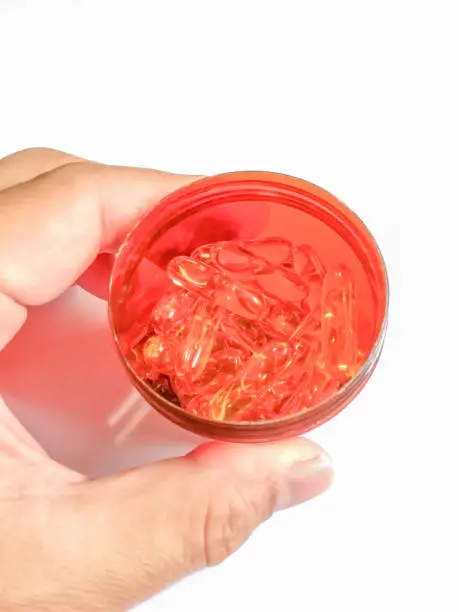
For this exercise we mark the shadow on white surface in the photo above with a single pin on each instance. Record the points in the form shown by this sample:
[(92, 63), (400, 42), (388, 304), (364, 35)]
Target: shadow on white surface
[(62, 377)]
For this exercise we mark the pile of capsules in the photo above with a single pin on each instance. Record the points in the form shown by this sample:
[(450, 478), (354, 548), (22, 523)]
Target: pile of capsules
[(251, 331)]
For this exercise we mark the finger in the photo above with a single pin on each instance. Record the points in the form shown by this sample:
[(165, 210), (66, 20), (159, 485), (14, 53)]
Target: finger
[(53, 227), (143, 530), (29, 163), (25, 467)]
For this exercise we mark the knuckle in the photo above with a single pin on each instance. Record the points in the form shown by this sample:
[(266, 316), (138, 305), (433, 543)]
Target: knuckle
[(77, 177), (74, 170)]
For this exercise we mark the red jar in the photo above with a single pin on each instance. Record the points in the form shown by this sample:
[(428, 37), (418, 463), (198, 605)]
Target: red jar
[(247, 205)]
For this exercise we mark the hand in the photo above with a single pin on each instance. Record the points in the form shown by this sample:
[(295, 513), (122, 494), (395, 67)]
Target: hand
[(70, 543)]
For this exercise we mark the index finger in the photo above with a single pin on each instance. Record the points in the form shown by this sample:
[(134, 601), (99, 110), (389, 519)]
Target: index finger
[(24, 165), (53, 227)]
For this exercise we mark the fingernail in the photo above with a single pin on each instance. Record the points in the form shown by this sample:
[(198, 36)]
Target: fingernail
[(303, 480)]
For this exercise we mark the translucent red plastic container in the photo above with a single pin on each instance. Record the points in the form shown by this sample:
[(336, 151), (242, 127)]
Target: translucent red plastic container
[(241, 206)]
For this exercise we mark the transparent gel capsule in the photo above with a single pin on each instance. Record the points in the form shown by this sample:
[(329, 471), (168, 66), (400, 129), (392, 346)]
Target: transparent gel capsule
[(204, 253), (231, 257), (221, 343), (198, 342), (344, 371), (276, 251), (250, 414), (284, 387), (297, 401), (285, 320), (172, 309), (339, 341), (199, 406), (229, 400), (311, 356), (310, 326), (338, 294), (283, 285), (209, 379), (182, 387), (239, 298), (243, 333), (263, 365), (321, 386), (251, 300), (157, 354), (307, 263), (190, 274), (254, 374), (134, 336), (277, 354), (242, 300), (229, 361), (221, 368), (255, 409), (137, 362), (284, 383), (286, 378)]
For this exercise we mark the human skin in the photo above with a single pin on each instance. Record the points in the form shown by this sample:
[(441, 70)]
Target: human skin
[(72, 543)]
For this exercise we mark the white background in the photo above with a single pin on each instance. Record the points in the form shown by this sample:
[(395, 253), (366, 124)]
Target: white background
[(358, 97)]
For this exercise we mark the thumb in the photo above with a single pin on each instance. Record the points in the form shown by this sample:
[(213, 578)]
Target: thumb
[(142, 530)]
